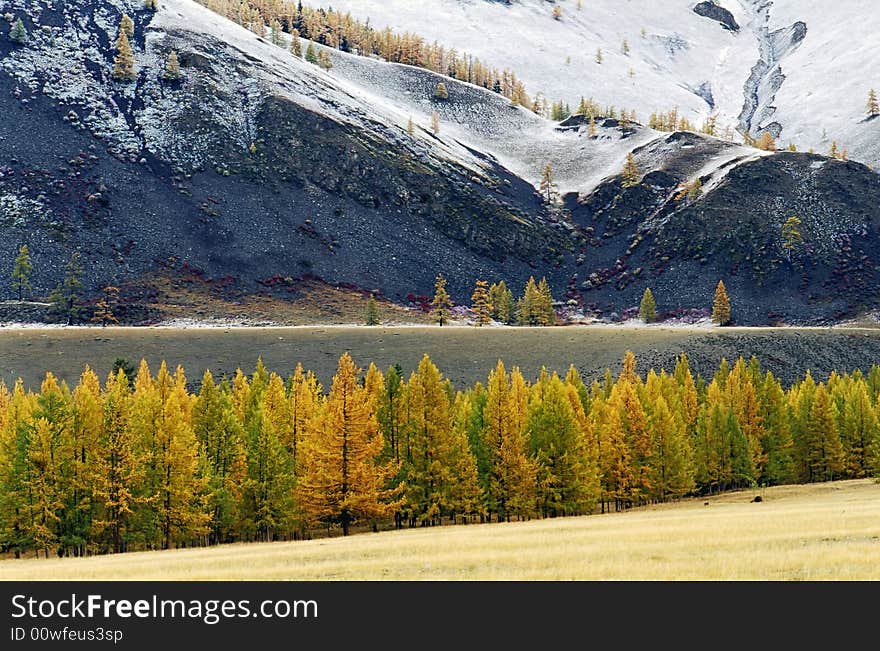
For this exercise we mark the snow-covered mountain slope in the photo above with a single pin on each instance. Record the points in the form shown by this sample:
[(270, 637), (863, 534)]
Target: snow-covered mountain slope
[(256, 168), (798, 68)]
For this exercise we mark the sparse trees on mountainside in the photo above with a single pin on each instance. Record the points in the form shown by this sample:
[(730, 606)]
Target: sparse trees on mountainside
[(21, 272), (481, 303), (648, 307), (172, 67), (123, 62), (548, 188), (441, 304), (767, 142), (631, 174), (721, 305), (339, 30), (295, 43), (105, 308), (371, 316), (18, 34), (873, 104), (501, 299), (791, 235), (66, 295)]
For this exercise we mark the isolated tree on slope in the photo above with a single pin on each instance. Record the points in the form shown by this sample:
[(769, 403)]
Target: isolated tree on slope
[(372, 313), (442, 304), (21, 271), (123, 62), (548, 187), (648, 307), (441, 91), (721, 305), (873, 105), (295, 43), (172, 67), (18, 34), (791, 235), (630, 171), (311, 56), (766, 142), (481, 303)]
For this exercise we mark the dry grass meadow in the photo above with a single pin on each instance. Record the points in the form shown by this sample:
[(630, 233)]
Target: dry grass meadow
[(828, 532)]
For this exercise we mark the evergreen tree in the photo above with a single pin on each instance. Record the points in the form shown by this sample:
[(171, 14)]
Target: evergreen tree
[(343, 480), (371, 317), (435, 123), (599, 57), (222, 455), (105, 307), (295, 43), (123, 62), (311, 55), (501, 300), (721, 305), (67, 295), (324, 60), (441, 303), (567, 476), (511, 481), (18, 34), (430, 465), (527, 306), (543, 304), (481, 303), (873, 105), (631, 174), (410, 127), (824, 449), (648, 307), (767, 142), (117, 470), (21, 272), (172, 67), (275, 32), (548, 188), (441, 92), (791, 235)]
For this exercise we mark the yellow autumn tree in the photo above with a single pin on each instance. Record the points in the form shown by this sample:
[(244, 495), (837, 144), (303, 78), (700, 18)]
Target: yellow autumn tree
[(721, 305), (344, 482), (512, 474)]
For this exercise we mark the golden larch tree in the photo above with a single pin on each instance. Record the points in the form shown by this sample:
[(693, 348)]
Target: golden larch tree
[(123, 62), (721, 305), (343, 481), (481, 303)]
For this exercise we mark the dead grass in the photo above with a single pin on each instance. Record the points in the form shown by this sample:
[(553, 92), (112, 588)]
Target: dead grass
[(818, 532)]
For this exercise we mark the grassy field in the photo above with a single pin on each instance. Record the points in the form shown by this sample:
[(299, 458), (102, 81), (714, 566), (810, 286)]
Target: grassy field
[(464, 354), (817, 532)]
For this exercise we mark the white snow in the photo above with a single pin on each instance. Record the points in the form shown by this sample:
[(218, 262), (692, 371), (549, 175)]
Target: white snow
[(823, 97)]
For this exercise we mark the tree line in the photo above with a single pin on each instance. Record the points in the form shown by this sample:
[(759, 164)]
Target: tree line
[(142, 462)]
